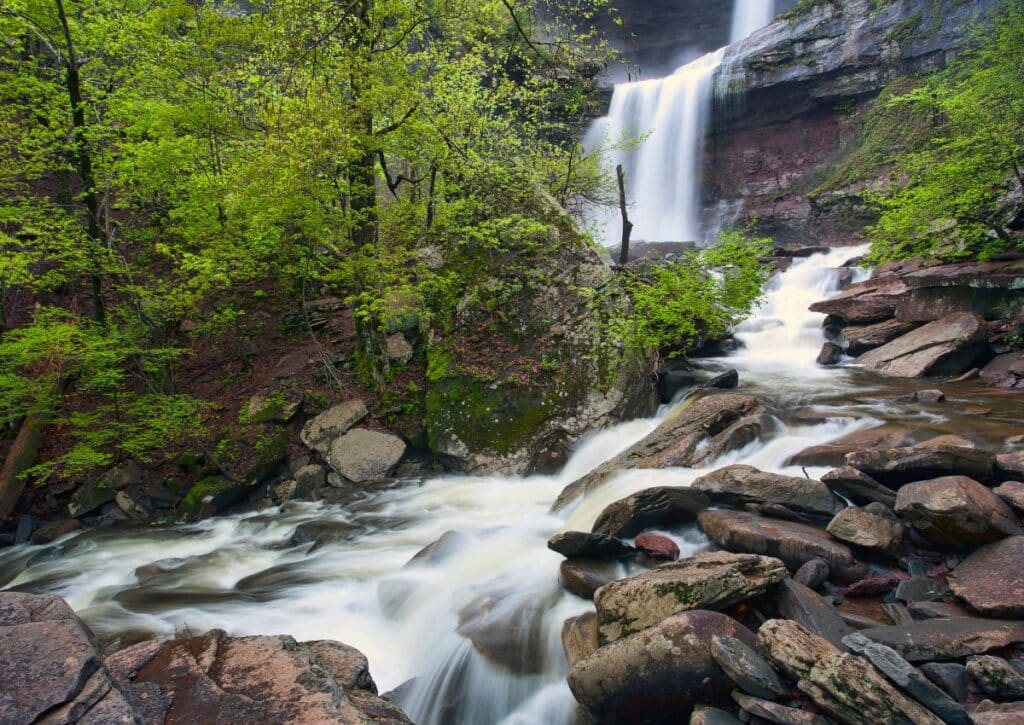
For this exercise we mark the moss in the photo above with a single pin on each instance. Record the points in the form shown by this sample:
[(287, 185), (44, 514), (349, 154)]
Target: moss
[(211, 487)]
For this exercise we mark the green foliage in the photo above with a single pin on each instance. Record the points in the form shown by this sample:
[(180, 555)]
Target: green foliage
[(697, 296), (954, 189)]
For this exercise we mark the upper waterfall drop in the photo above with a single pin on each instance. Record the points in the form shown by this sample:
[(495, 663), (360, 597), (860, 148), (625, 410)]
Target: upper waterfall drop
[(749, 16)]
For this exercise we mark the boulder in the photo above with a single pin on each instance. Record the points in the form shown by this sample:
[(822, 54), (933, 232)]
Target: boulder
[(398, 349), (583, 577), (707, 581), (102, 490), (945, 347), (956, 511), (865, 302), (951, 677), (996, 677), (656, 546), (658, 673), (698, 431), (858, 487), (509, 628), (738, 485), (834, 452), (660, 506), (844, 685), (1005, 371), (579, 637), (1010, 466), (990, 713), (334, 422), (869, 529), (812, 574), (747, 668), (921, 588), (794, 543), (571, 544), (896, 466), (947, 639), (810, 610), (1013, 493), (991, 579), (309, 478), (363, 455), (909, 679), (859, 339), (831, 354)]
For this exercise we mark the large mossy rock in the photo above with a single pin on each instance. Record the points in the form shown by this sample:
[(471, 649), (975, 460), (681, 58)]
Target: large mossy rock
[(529, 359)]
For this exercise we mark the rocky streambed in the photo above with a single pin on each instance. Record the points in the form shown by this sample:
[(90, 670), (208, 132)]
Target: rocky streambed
[(819, 544)]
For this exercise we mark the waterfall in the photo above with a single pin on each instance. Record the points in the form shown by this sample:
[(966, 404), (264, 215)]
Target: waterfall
[(750, 15)]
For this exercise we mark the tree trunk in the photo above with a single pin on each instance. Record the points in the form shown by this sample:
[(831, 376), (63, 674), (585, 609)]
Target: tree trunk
[(627, 226)]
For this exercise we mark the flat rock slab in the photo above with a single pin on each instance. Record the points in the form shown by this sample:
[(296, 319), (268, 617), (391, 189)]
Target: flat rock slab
[(706, 581), (794, 543), (739, 485), (947, 639), (810, 610), (658, 506), (580, 543), (943, 347), (834, 452), (868, 529), (859, 339), (897, 466), (858, 487), (747, 668), (991, 579), (956, 511), (991, 713)]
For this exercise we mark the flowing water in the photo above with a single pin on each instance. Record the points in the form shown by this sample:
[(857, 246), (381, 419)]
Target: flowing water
[(750, 15)]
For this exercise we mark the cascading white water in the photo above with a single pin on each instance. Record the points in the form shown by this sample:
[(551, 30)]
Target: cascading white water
[(749, 16), (494, 581), (662, 123)]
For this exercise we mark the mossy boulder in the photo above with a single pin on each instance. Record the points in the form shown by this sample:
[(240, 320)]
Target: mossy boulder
[(210, 495)]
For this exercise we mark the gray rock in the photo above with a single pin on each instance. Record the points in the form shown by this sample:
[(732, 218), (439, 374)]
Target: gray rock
[(660, 506), (747, 668), (991, 579), (776, 713), (102, 490), (363, 455), (794, 543), (867, 529), (812, 574), (996, 677), (858, 486), (947, 639), (810, 610), (951, 677), (659, 672), (24, 530), (706, 581), (398, 348), (897, 466), (322, 430), (572, 544), (921, 589), (908, 678), (309, 478), (944, 347), (738, 485), (956, 511)]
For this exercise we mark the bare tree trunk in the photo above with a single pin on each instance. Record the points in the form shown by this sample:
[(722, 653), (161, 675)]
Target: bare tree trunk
[(23, 455), (627, 225)]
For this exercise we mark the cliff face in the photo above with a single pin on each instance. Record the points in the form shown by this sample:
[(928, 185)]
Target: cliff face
[(797, 94)]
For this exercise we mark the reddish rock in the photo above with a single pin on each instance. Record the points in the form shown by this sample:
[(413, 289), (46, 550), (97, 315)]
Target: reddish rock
[(956, 511), (871, 587), (944, 347), (834, 452), (657, 546), (991, 579)]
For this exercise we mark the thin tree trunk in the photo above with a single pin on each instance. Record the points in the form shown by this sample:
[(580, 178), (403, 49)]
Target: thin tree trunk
[(627, 226), (23, 455)]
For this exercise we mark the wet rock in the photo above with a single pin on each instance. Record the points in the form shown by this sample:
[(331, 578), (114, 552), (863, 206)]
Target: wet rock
[(795, 544), (862, 303), (831, 354), (660, 672), (24, 529), (909, 679), (1005, 371), (991, 579), (1013, 493), (834, 452), (697, 431), (921, 589), (365, 455), (439, 549), (583, 577), (323, 532), (896, 466), (943, 347), (704, 715), (746, 668), (773, 712), (136, 506), (858, 487), (996, 677), (956, 511), (572, 544), (54, 530), (738, 485), (322, 430), (870, 587), (947, 639), (707, 581), (309, 478), (660, 506), (810, 610), (102, 490), (842, 684), (812, 574), (867, 529), (507, 629), (1011, 466), (579, 637), (657, 547), (990, 713), (951, 678), (857, 340)]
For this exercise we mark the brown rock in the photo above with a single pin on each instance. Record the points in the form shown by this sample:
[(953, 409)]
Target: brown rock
[(810, 610), (956, 511), (858, 340), (583, 577), (845, 685), (1011, 465), (1005, 371), (659, 506), (990, 713), (834, 452), (793, 543), (572, 544), (859, 487), (991, 579), (706, 581), (831, 354), (1013, 493), (657, 547), (947, 639), (871, 587), (738, 485), (896, 466), (870, 301), (697, 431), (579, 637), (865, 528), (944, 347), (775, 713)]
